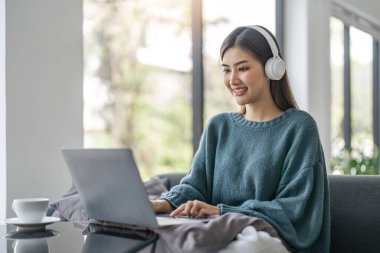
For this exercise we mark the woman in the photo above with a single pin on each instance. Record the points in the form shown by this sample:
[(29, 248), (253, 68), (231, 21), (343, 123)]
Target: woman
[(267, 160)]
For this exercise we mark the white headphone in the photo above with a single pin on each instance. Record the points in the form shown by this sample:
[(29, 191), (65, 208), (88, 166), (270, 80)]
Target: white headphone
[(275, 66)]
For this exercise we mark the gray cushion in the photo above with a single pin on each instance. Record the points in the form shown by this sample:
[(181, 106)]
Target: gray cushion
[(355, 213), (172, 179)]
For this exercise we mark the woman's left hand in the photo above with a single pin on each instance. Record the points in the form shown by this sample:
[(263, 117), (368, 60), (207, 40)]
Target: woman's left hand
[(195, 208)]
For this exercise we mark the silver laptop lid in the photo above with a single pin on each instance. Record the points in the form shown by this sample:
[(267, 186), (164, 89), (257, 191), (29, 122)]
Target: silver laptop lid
[(110, 186)]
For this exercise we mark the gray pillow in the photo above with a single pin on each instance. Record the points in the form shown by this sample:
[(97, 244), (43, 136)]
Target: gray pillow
[(70, 208), (156, 186)]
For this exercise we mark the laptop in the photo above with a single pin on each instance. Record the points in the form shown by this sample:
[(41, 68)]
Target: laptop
[(110, 188), (116, 240)]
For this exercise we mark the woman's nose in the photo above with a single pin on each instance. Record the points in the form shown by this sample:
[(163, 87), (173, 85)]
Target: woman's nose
[(234, 78)]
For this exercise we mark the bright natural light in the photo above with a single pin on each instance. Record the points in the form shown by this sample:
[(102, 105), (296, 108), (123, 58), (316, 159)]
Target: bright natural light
[(138, 66)]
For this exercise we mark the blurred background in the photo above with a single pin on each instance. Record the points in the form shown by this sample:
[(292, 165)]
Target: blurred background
[(146, 74), (138, 79), (138, 74)]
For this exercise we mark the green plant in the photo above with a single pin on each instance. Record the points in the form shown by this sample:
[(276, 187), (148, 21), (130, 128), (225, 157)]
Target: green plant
[(356, 162)]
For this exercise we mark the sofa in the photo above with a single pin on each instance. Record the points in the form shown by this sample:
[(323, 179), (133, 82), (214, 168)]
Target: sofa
[(355, 211)]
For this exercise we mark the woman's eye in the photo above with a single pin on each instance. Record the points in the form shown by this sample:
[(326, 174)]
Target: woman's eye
[(243, 68), (226, 70)]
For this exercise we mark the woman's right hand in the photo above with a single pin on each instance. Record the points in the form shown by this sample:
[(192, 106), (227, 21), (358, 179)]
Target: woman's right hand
[(161, 206)]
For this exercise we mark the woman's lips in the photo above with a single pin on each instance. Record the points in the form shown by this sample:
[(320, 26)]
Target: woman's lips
[(239, 91)]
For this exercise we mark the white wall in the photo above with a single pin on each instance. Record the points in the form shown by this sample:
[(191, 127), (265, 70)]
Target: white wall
[(43, 95), (2, 110), (307, 50)]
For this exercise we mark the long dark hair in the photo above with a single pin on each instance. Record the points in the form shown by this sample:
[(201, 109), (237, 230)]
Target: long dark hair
[(255, 43)]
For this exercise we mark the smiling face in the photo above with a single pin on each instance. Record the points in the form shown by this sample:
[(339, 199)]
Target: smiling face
[(244, 76)]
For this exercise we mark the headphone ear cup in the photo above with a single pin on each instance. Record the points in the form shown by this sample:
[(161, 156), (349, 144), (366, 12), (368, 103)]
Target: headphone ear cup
[(275, 68)]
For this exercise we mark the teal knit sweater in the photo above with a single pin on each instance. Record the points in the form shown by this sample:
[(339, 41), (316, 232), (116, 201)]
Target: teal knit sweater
[(274, 170)]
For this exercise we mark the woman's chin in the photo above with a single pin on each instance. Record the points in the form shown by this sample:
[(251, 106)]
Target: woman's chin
[(240, 102)]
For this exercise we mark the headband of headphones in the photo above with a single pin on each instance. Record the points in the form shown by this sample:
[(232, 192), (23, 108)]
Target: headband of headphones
[(275, 66)]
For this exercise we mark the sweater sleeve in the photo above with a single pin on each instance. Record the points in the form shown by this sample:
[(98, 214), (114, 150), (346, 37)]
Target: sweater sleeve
[(192, 186), (297, 212), (196, 184)]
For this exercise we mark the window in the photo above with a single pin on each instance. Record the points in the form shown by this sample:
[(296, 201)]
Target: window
[(361, 89), (336, 60), (353, 108), (138, 83), (139, 76)]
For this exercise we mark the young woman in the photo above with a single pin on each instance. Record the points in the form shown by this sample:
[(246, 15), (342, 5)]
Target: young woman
[(265, 161)]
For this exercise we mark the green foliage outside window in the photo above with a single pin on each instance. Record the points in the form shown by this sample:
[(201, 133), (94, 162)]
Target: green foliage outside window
[(356, 162), (147, 105)]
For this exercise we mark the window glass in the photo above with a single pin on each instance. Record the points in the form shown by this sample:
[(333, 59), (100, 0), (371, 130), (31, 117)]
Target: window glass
[(361, 55), (137, 90), (361, 156), (337, 90), (220, 18)]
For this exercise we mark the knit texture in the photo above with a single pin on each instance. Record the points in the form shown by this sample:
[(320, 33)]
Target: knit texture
[(274, 170)]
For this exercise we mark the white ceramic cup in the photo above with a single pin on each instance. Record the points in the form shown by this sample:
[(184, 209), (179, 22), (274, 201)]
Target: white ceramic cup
[(30, 210), (31, 246)]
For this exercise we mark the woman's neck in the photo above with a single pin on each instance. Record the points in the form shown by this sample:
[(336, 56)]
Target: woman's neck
[(262, 113)]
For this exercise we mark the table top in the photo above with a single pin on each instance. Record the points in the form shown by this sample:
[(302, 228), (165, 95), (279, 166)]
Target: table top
[(62, 237)]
